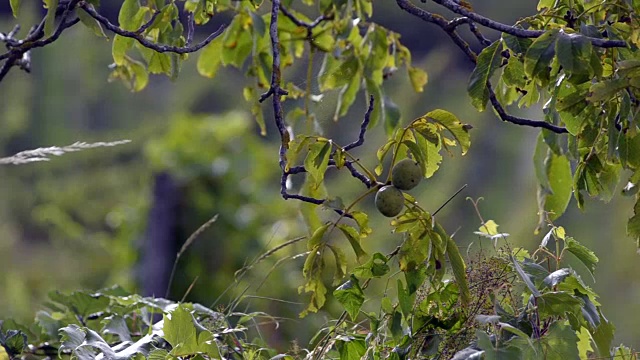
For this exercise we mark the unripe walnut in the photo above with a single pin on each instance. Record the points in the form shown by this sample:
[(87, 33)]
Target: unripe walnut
[(389, 201), (406, 174)]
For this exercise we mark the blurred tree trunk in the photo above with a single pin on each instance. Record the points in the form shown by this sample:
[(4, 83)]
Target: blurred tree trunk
[(160, 247)]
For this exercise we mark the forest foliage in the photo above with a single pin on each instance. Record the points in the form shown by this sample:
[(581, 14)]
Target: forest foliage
[(578, 59)]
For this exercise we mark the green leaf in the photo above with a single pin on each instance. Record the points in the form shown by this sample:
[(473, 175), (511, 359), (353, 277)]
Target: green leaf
[(237, 42), (354, 239), (120, 47), (180, 331), (539, 157), (584, 254), (392, 115), (341, 264), (418, 78), (116, 325), (351, 296), (209, 59), (50, 18), (336, 73), (80, 302), (607, 89), (450, 122), (574, 55), (348, 95), (317, 160), (516, 44), (14, 341), (560, 342), (557, 303), (15, 7), (375, 267), (603, 337), (633, 225), (351, 348), (317, 237), (558, 170), (488, 61), (524, 277), (513, 74), (91, 23), (405, 299), (130, 15), (539, 55), (629, 151), (457, 265)]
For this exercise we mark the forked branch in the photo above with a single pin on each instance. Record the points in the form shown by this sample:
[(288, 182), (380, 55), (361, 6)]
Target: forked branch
[(471, 18)]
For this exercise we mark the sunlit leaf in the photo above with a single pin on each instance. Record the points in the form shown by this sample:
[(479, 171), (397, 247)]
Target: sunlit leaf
[(586, 256), (418, 78), (15, 7)]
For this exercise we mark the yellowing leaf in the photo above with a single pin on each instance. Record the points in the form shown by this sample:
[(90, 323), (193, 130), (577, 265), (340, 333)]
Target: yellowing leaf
[(418, 78), (210, 58), (15, 8), (489, 227)]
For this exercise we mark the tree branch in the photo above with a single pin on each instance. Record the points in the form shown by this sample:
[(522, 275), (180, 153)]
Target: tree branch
[(515, 31), (304, 24), (137, 35), (449, 27)]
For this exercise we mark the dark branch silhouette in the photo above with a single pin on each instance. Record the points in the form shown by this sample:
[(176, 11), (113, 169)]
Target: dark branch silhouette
[(449, 27)]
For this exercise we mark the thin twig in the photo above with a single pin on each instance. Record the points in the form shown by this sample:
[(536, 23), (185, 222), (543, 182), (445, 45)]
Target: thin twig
[(161, 48), (184, 248), (441, 22), (515, 31)]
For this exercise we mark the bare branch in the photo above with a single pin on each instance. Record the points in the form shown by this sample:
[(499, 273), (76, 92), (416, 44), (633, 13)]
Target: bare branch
[(363, 127), (304, 24), (515, 31), (136, 35), (446, 26)]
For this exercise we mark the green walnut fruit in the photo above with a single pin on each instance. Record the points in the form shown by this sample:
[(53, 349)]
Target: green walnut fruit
[(389, 201), (406, 174)]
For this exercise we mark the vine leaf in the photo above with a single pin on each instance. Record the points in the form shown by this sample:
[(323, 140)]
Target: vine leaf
[(488, 61), (586, 256)]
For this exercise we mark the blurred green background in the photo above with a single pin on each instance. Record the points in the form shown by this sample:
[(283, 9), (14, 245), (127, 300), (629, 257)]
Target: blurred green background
[(119, 215)]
